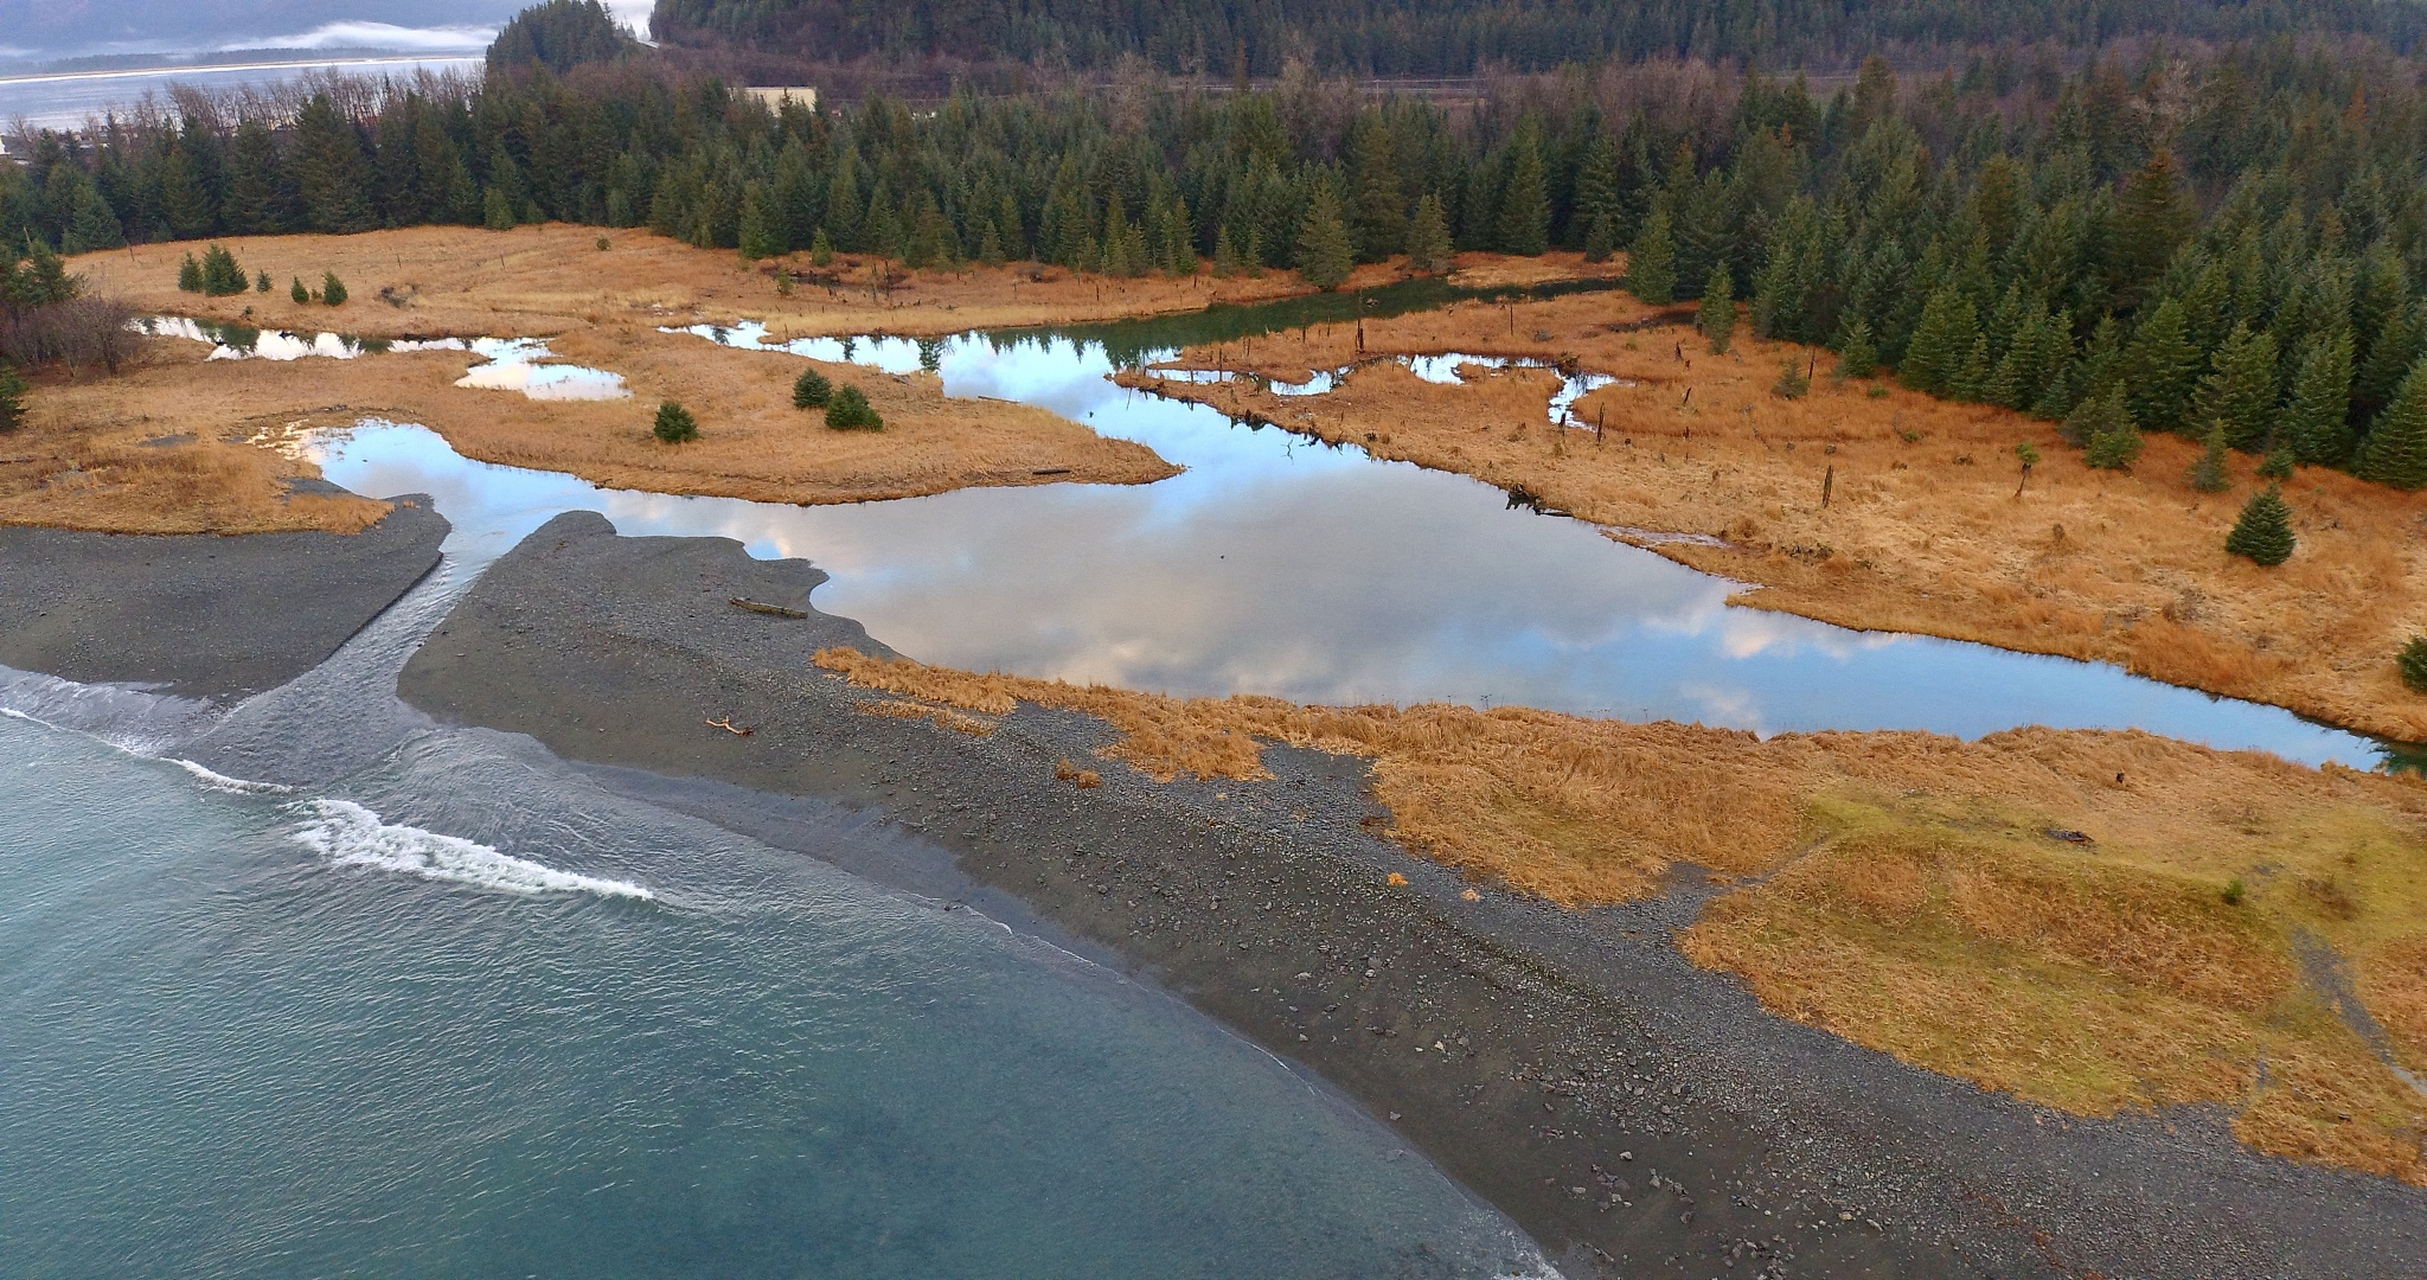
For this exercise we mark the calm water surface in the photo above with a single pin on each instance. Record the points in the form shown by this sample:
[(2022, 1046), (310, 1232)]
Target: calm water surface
[(1273, 565)]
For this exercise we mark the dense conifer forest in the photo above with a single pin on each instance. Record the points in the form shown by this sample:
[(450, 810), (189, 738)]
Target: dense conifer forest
[(2224, 240), (1456, 37)]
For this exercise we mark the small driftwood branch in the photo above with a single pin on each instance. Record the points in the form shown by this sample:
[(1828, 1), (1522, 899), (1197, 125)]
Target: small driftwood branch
[(771, 610), (738, 731)]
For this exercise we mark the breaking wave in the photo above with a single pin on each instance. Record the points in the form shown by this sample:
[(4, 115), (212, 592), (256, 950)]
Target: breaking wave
[(221, 782), (349, 835)]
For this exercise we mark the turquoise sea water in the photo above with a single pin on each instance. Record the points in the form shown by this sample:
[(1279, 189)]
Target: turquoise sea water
[(261, 1032)]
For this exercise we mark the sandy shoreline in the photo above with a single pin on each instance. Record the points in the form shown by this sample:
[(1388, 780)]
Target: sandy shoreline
[(1530, 1051)]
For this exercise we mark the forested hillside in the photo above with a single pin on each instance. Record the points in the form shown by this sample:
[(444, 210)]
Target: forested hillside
[(1454, 37), (2233, 243)]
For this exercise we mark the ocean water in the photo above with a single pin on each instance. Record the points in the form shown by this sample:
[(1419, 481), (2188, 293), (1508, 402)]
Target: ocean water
[(455, 1011)]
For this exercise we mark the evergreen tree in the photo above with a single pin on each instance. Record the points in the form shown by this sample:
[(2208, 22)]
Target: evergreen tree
[(261, 282), (2104, 426), (91, 222), (811, 390), (2314, 422), (12, 398), (2395, 452), (2238, 395), (849, 410), (2158, 368), (1226, 259), (1428, 243), (1651, 268), (2209, 474), (674, 424), (189, 275), (1381, 207), (221, 277), (2278, 465), (332, 289), (1856, 357), (760, 235), (1717, 316), (300, 294), (261, 193), (2263, 534), (821, 249), (2411, 662), (332, 176), (1525, 204), (1324, 253), (1598, 211), (1935, 356), (186, 203), (497, 210)]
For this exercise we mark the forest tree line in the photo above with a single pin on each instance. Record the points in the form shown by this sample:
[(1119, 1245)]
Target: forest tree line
[(2235, 240), (1461, 37)]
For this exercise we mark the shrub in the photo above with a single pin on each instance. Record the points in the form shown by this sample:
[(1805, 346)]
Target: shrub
[(261, 282), (332, 289), (2412, 661), (675, 425), (605, 244), (1793, 381), (300, 294), (2264, 533), (189, 275), (2234, 892), (849, 410), (811, 390)]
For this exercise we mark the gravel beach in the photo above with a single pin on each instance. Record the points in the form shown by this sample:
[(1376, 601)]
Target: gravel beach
[(197, 614), (1636, 1115)]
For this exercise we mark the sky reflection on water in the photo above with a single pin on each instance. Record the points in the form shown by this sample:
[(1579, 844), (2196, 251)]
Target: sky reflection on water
[(1279, 566)]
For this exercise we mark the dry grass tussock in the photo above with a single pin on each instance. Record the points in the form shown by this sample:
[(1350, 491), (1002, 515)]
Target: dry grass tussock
[(90, 458), (1914, 893), (1923, 531)]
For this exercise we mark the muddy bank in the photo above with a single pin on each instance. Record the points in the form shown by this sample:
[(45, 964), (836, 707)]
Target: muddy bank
[(1638, 1116), (199, 614)]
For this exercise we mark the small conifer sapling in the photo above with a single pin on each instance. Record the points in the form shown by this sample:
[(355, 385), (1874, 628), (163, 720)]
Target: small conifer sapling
[(675, 425), (811, 390), (2264, 533), (2413, 664)]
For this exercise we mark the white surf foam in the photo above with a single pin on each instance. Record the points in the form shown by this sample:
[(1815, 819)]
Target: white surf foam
[(349, 835), (221, 782)]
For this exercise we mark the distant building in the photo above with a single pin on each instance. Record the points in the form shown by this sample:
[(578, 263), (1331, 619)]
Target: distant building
[(775, 96)]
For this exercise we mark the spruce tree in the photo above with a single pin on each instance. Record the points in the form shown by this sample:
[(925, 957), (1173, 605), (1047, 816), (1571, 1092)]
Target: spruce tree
[(1717, 315), (2395, 452), (2314, 422), (821, 248), (2158, 366), (849, 410), (1324, 252), (2238, 394), (2263, 535), (261, 192), (300, 294), (760, 236), (2104, 426), (189, 275), (1525, 203), (1935, 356), (261, 282), (1226, 259), (1381, 209), (2209, 474), (12, 398), (1856, 357), (811, 390), (674, 424), (332, 176), (332, 289), (1596, 208), (1428, 245), (2412, 663), (1651, 268)]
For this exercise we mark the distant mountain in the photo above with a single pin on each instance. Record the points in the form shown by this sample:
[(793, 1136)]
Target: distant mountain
[(1456, 37), (65, 28)]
